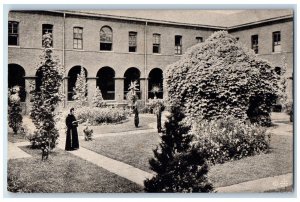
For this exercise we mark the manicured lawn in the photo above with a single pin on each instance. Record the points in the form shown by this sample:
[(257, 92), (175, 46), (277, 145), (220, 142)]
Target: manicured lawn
[(134, 150), (63, 172)]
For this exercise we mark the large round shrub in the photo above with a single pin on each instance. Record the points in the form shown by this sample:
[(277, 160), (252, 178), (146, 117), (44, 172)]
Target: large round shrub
[(221, 77)]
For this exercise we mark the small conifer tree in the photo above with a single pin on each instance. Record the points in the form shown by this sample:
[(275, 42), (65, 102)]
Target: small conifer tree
[(80, 90), (97, 98), (178, 165)]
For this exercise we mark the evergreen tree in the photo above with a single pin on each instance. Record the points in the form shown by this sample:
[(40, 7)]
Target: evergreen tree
[(80, 90), (178, 165), (46, 99), (97, 98), (14, 109)]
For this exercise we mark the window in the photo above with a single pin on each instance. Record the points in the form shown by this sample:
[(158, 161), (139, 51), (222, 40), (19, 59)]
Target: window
[(199, 39), (77, 37), (254, 43), (47, 28), (13, 33), (156, 43), (132, 41), (106, 38), (276, 42), (178, 45)]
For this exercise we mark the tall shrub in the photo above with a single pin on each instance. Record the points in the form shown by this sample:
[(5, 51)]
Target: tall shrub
[(14, 109), (221, 77), (179, 167), (45, 100), (80, 90)]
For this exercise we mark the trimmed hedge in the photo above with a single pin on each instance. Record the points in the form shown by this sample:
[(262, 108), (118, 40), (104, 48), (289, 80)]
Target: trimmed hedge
[(229, 139), (220, 77)]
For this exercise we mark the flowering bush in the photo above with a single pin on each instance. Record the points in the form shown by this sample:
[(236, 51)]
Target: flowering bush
[(97, 115), (220, 77), (229, 139), (14, 109)]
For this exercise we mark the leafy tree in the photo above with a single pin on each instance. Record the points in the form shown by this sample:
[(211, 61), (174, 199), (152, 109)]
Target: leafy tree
[(80, 90), (14, 109), (45, 100), (97, 98), (179, 166), (221, 77)]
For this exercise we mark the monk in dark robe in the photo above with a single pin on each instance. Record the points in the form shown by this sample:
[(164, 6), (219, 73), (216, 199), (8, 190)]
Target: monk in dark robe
[(72, 142)]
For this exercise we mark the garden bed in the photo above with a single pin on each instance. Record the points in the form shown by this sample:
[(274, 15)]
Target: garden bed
[(124, 126)]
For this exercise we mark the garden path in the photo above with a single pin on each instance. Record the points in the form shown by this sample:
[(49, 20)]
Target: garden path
[(260, 185), (14, 152)]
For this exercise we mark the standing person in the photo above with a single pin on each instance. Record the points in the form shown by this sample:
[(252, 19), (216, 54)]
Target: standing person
[(72, 142), (136, 116)]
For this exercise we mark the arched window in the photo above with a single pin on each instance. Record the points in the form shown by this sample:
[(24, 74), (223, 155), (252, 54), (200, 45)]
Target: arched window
[(106, 38), (155, 83), (72, 77), (132, 74), (106, 82), (16, 75)]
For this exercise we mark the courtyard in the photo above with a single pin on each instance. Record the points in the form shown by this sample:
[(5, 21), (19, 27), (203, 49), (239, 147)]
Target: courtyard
[(116, 161)]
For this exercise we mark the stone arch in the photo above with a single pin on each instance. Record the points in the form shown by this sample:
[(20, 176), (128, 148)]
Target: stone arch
[(16, 77), (155, 79), (106, 82), (132, 74), (72, 76)]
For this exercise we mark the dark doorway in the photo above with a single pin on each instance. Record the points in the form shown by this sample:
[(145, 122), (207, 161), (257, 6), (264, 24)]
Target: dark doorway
[(132, 74), (72, 77), (155, 83), (16, 75), (106, 82)]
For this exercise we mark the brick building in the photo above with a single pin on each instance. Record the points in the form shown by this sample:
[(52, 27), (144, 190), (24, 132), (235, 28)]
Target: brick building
[(115, 49)]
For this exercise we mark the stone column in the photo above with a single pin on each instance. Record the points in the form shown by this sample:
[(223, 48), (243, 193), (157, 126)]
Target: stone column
[(119, 89), (165, 94), (91, 88), (29, 80), (144, 90), (65, 91)]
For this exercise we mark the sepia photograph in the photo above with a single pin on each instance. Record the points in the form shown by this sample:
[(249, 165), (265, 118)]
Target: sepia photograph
[(150, 101)]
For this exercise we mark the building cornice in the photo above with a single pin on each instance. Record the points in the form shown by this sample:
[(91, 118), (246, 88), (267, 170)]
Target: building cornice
[(163, 22), (280, 18)]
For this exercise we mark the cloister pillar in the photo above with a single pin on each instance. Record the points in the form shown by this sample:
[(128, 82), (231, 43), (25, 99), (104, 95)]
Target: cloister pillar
[(119, 89)]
